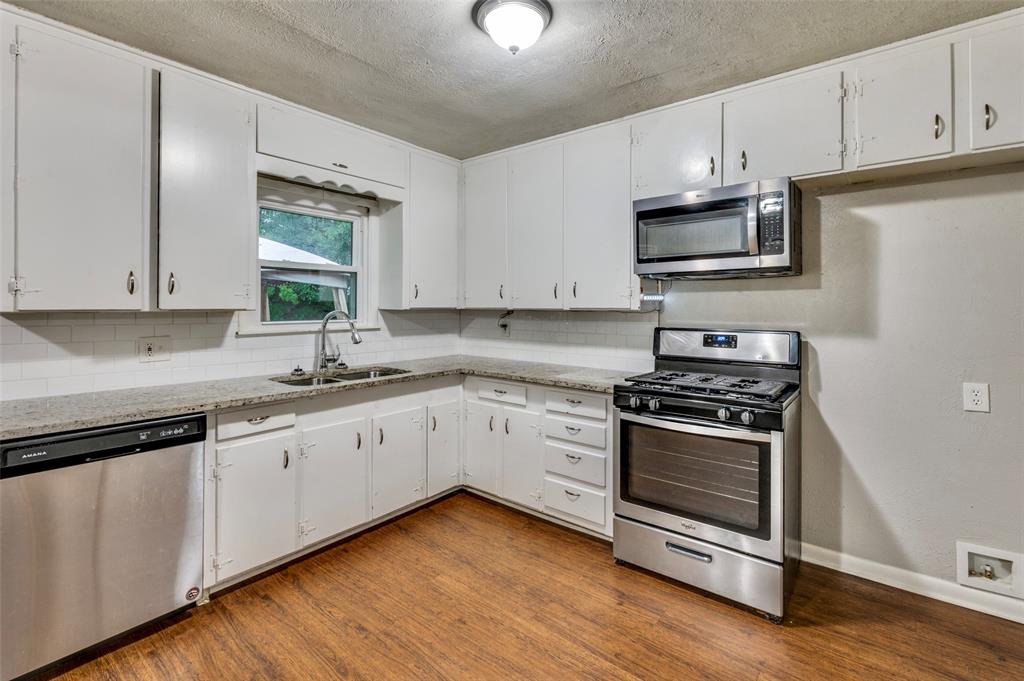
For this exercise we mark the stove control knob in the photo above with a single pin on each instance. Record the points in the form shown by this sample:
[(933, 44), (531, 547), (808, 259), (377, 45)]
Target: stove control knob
[(747, 417), (634, 401), (654, 403), (724, 414)]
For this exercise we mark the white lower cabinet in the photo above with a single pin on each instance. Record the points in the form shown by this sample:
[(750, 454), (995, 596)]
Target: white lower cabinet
[(443, 461), (256, 502), (335, 468), (522, 457), (483, 445), (399, 459)]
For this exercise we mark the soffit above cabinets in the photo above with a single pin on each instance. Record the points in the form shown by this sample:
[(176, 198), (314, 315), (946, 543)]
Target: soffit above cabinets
[(422, 72)]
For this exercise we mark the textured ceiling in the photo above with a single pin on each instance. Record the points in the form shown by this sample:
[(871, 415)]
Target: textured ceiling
[(420, 70)]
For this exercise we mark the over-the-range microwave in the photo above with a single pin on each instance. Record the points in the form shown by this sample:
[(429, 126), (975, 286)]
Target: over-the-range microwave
[(743, 230)]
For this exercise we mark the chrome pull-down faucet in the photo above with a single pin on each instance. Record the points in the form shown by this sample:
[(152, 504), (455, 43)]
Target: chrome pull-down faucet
[(326, 361)]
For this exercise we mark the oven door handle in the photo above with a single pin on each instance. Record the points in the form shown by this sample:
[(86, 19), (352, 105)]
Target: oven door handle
[(710, 431)]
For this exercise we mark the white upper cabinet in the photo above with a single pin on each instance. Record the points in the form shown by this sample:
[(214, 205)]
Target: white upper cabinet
[(443, 446), (335, 479), (904, 106), (535, 227), (786, 127), (398, 471), (433, 232), (485, 191), (318, 141), (82, 187), (677, 150), (598, 219), (208, 223), (997, 88)]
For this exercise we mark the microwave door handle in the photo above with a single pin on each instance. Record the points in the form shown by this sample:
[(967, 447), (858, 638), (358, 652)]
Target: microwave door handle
[(752, 225)]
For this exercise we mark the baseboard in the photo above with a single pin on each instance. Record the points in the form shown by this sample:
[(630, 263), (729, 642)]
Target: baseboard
[(914, 582)]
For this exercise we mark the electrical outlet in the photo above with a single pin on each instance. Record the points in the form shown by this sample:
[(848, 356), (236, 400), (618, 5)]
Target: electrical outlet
[(976, 397), (155, 349)]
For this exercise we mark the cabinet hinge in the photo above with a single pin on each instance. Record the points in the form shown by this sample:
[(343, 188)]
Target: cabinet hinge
[(15, 49), (218, 562), (16, 285), (636, 140), (217, 468), (304, 448), (305, 527)]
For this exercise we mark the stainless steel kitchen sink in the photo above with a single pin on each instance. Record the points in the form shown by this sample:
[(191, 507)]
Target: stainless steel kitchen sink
[(375, 372), (340, 376), (312, 381)]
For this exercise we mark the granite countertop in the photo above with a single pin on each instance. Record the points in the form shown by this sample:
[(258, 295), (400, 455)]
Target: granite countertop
[(39, 416)]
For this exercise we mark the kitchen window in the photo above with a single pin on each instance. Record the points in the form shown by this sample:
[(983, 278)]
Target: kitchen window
[(312, 257)]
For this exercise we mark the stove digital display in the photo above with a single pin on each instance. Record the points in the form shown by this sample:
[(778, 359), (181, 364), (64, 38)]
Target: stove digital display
[(720, 340)]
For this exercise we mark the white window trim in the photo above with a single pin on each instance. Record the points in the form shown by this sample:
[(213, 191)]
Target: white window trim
[(295, 198)]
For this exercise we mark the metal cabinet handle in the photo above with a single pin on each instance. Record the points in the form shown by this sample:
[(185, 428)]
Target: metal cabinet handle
[(574, 289), (339, 165), (381, 440), (573, 402), (491, 424), (172, 283), (556, 291), (743, 160), (712, 166), (433, 423), (988, 116), (501, 291), (689, 553), (938, 126), (574, 458), (506, 426), (359, 440), (573, 496), (287, 459), (131, 282), (415, 290), (257, 420), (499, 392), (572, 430)]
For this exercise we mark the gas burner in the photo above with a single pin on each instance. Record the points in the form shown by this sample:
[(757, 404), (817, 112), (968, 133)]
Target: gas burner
[(741, 387)]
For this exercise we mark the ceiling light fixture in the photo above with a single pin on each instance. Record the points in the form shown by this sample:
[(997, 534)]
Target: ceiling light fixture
[(513, 24)]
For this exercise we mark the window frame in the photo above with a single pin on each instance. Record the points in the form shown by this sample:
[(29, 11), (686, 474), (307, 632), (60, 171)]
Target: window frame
[(290, 197)]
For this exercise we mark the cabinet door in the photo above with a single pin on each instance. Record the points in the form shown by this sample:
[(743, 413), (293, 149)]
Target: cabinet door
[(335, 479), (207, 195), (483, 445), (904, 106), (598, 219), (792, 127), (442, 447), (522, 457), (997, 88), (678, 150), (433, 232), (535, 227), (485, 193), (82, 179), (399, 460), (293, 134), (256, 502)]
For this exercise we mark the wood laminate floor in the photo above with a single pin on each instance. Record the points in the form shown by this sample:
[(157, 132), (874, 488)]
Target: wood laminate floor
[(468, 589)]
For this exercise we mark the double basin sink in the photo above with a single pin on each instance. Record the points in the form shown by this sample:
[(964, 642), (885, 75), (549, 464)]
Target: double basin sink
[(339, 376)]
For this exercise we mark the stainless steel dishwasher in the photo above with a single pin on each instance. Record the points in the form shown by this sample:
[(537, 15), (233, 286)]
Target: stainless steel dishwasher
[(100, 531)]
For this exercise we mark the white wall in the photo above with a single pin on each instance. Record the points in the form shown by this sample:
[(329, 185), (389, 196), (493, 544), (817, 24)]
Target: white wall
[(909, 290), (61, 353)]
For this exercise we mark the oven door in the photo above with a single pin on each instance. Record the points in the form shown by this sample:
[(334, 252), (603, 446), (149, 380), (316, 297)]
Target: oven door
[(721, 484), (682, 234)]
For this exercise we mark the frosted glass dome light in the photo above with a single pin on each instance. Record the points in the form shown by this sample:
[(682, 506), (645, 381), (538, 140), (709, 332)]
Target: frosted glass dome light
[(513, 24)]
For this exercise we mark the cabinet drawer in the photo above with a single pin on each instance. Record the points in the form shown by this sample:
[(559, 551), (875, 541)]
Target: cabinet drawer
[(575, 463), (577, 501), (503, 392), (573, 403), (317, 141), (254, 420), (581, 432)]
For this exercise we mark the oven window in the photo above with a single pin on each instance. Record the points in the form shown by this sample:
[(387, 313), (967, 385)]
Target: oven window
[(717, 481), (692, 235)]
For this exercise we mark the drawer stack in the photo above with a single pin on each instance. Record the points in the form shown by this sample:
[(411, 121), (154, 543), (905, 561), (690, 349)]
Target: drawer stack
[(577, 458)]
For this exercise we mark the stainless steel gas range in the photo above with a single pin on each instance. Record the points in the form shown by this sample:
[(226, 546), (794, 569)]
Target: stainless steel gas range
[(707, 464)]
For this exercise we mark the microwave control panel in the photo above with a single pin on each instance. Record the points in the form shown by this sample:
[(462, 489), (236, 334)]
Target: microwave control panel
[(771, 212)]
